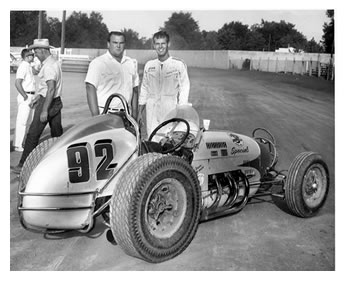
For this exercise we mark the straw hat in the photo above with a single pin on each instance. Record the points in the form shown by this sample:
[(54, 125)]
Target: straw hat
[(40, 43)]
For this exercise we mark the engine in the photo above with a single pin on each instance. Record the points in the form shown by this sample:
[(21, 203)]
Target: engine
[(227, 164), (227, 193)]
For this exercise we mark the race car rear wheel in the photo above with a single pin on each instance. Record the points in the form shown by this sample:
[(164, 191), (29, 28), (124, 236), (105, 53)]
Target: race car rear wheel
[(155, 208), (34, 158), (307, 184), (30, 164)]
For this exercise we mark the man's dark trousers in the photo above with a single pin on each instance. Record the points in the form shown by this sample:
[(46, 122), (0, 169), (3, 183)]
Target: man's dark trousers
[(37, 127)]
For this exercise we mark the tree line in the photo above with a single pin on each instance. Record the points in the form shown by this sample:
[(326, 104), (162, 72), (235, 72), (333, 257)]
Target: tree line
[(89, 31)]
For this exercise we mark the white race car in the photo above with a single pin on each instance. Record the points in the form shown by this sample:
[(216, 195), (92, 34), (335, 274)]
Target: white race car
[(153, 193)]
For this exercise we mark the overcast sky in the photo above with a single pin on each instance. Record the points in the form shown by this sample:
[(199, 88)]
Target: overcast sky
[(146, 22)]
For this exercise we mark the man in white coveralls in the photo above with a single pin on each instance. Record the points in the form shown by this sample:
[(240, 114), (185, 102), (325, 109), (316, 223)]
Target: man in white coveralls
[(165, 83)]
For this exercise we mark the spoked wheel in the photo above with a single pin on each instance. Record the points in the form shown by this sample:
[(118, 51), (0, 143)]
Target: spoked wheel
[(307, 184), (165, 208), (156, 207)]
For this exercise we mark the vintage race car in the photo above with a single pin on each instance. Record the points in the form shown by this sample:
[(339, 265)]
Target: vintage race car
[(153, 193)]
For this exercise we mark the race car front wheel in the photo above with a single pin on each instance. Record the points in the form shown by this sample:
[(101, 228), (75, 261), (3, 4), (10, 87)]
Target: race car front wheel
[(155, 208), (307, 184)]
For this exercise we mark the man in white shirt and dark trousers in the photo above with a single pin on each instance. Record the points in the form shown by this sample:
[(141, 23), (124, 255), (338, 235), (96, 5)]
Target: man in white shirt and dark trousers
[(111, 73), (165, 83), (25, 84), (47, 100)]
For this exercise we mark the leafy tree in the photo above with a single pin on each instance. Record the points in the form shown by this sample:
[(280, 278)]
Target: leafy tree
[(54, 27), (184, 31), (280, 34), (81, 31), (233, 36), (209, 40), (313, 47), (132, 39), (147, 43), (21, 32), (328, 36), (86, 32), (298, 41), (255, 40), (24, 27)]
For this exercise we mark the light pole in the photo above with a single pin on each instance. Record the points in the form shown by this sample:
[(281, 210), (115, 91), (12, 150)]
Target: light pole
[(40, 22), (63, 32)]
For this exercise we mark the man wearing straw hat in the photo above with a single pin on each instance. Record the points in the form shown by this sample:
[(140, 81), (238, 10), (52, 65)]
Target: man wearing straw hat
[(47, 100)]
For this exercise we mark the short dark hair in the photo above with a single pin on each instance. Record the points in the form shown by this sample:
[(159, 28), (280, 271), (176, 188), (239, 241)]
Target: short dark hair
[(161, 34), (24, 52), (117, 33)]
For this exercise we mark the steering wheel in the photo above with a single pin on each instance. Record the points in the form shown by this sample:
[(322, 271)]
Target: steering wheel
[(168, 135)]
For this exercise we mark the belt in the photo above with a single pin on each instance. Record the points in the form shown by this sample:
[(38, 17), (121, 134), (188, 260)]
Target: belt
[(32, 92)]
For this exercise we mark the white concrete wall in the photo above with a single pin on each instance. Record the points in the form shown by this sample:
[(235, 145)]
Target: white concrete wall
[(298, 63)]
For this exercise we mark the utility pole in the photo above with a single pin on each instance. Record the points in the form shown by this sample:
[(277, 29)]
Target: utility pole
[(40, 22), (63, 31)]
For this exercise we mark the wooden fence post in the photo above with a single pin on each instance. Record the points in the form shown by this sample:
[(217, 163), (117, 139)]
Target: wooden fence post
[(302, 66), (310, 68), (293, 66), (319, 66)]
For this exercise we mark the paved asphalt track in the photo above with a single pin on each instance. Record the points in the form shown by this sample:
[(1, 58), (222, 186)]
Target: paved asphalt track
[(298, 110)]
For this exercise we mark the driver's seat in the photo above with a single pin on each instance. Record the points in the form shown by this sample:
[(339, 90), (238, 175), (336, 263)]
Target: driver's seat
[(155, 147)]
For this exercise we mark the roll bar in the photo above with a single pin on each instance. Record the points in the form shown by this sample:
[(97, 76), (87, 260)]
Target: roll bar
[(127, 114)]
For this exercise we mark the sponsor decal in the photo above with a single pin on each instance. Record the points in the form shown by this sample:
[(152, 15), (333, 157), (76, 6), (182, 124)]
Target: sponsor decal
[(236, 139), (151, 69), (235, 150), (199, 168), (224, 153), (171, 72), (216, 145), (214, 153), (249, 173), (200, 177)]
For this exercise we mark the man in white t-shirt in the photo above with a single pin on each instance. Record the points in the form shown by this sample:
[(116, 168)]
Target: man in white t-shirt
[(25, 84), (47, 100), (111, 73), (165, 84)]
